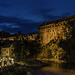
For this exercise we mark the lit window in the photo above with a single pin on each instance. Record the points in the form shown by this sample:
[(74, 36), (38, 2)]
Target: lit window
[(6, 51)]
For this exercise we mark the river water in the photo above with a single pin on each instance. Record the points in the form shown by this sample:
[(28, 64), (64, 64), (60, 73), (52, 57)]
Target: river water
[(54, 69)]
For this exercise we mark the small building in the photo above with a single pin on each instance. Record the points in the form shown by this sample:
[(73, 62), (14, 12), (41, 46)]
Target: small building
[(11, 38), (7, 56), (6, 51), (31, 36)]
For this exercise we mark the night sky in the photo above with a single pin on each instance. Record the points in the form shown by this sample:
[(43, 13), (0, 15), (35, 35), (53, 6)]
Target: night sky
[(27, 15)]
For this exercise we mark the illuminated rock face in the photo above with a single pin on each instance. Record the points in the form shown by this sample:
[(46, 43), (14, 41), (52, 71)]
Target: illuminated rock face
[(58, 29)]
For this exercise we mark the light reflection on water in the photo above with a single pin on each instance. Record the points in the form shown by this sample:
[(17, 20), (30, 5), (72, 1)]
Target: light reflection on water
[(55, 69)]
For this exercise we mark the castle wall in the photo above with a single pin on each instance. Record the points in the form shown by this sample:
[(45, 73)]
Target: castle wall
[(52, 31)]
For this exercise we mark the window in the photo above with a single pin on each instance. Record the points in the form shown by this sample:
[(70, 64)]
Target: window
[(64, 23), (58, 24), (52, 25), (47, 35), (47, 30), (6, 51), (57, 33)]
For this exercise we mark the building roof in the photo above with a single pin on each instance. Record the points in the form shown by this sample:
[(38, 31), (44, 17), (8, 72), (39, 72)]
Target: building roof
[(6, 46), (59, 20)]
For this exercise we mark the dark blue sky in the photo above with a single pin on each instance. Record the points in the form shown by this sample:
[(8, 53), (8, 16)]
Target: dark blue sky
[(27, 15)]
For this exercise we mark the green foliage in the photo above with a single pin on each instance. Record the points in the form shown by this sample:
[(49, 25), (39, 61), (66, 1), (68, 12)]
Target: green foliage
[(69, 47), (57, 52), (26, 50), (53, 51), (45, 53)]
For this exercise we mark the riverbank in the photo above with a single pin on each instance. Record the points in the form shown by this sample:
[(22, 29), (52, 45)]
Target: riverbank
[(32, 63), (22, 70), (36, 67), (12, 70), (53, 60)]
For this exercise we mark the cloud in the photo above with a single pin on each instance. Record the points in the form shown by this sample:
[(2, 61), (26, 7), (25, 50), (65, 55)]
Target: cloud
[(13, 25), (4, 19), (10, 25), (45, 14), (42, 11), (50, 17), (26, 28), (66, 14)]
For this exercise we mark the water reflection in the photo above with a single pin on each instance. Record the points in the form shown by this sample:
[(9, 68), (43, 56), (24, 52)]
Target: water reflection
[(29, 73), (40, 72), (61, 65), (55, 69)]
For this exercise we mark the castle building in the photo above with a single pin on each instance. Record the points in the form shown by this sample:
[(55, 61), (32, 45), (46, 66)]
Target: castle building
[(54, 30)]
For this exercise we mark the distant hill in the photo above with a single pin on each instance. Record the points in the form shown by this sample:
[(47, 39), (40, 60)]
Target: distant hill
[(4, 34)]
